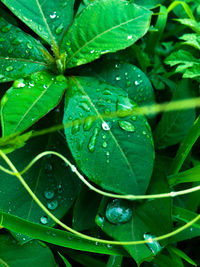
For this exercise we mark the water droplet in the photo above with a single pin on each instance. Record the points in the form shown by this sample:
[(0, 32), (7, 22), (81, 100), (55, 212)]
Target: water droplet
[(88, 124), (6, 28), (144, 132), (19, 83), (99, 220), (59, 29), (133, 118), (109, 246), (92, 51), (130, 37), (137, 83), (117, 66), (84, 106), (117, 78), (44, 219), (107, 92), (75, 127), (154, 246), (9, 68), (105, 126), (45, 86), (118, 211), (127, 126), (52, 205), (73, 168), (128, 83), (49, 194), (93, 139), (17, 41), (53, 16), (29, 45), (104, 144), (173, 194)]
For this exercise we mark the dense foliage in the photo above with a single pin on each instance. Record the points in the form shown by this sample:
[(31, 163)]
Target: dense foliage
[(99, 130)]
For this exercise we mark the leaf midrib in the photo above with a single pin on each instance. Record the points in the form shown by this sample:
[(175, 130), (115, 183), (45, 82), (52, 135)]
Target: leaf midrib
[(34, 103), (110, 132), (25, 60), (99, 35)]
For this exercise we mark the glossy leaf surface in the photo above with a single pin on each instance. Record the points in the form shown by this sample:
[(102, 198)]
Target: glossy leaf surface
[(20, 53), (32, 254), (34, 97), (175, 125), (108, 151), (52, 182), (49, 19), (150, 218), (128, 77), (120, 24)]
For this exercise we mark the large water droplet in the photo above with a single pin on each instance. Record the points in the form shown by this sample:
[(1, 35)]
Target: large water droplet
[(52, 205), (19, 83), (154, 246), (9, 68), (127, 126), (88, 124), (49, 194), (105, 126), (118, 211), (75, 127), (44, 219), (84, 106), (93, 139)]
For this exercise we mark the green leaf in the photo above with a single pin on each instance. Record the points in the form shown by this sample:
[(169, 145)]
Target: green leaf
[(34, 97), (191, 23), (20, 54), (114, 261), (120, 24), (175, 125), (150, 218), (12, 142), (189, 176), (67, 264), (148, 3), (126, 76), (188, 64), (49, 19), (182, 255), (55, 236), (84, 211), (185, 215), (108, 151), (31, 254), (53, 183), (191, 39)]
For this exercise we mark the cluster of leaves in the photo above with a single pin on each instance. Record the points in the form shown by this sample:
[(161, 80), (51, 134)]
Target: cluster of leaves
[(48, 78)]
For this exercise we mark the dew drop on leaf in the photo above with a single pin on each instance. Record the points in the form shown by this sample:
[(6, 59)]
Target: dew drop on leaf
[(49, 194), (105, 126), (104, 145), (19, 83), (93, 139), (127, 126), (29, 45), (84, 106), (44, 219), (53, 15), (88, 124), (154, 246), (118, 211), (9, 68), (75, 127), (52, 205), (117, 78)]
